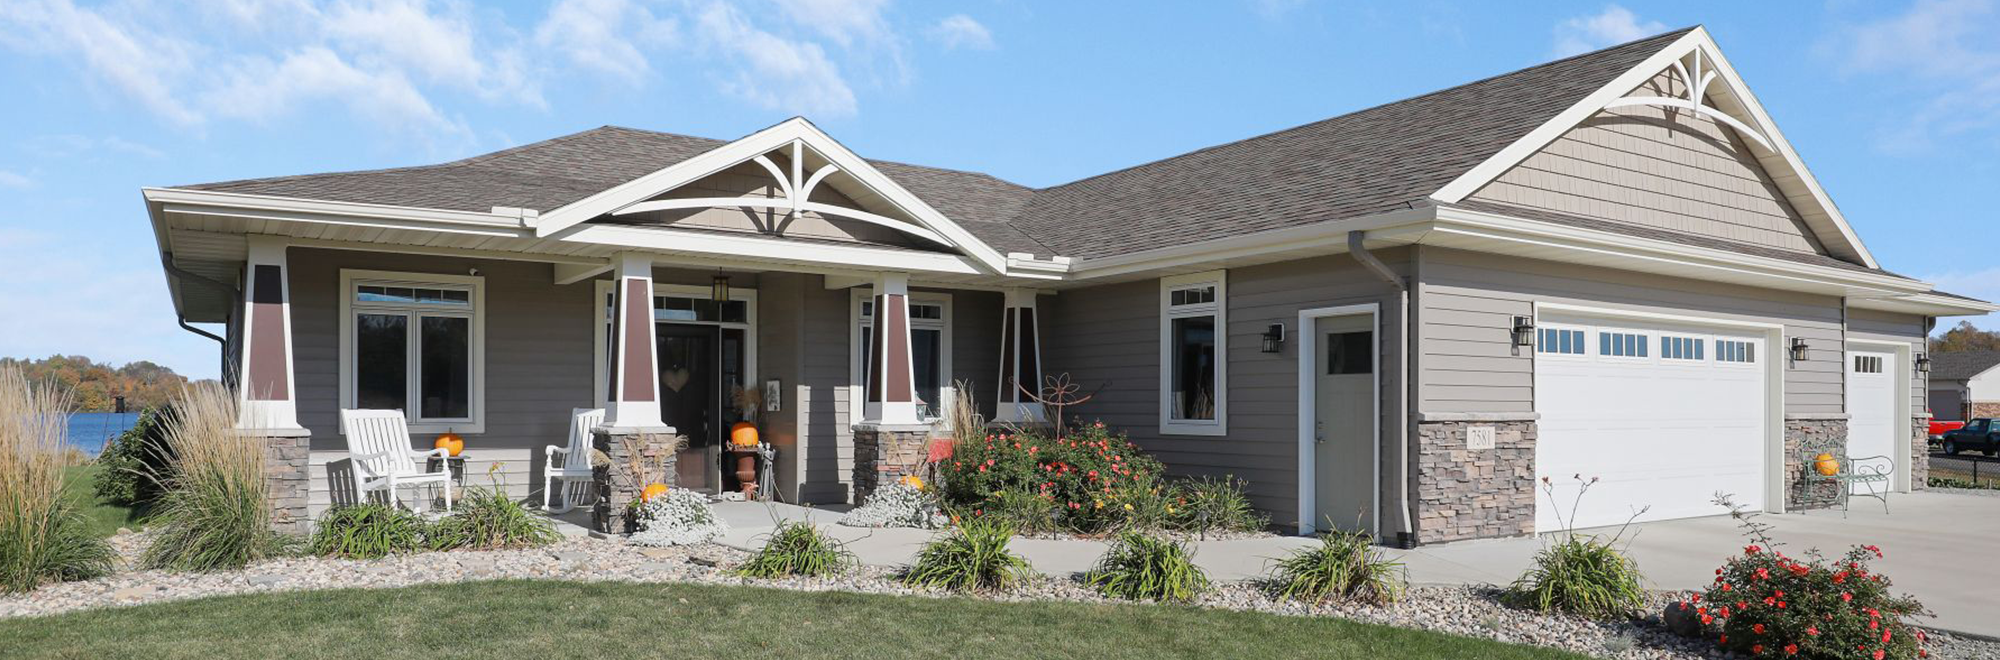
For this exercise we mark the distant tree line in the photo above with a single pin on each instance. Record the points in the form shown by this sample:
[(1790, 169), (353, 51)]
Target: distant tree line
[(1965, 337), (95, 387)]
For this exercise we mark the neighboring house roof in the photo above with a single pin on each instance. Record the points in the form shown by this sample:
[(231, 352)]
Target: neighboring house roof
[(1371, 161), (1962, 365)]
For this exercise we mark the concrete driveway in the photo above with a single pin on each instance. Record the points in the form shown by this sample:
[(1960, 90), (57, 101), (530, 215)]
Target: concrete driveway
[(1942, 547)]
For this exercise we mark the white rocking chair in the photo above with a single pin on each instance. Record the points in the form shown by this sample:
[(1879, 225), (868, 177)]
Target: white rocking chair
[(380, 456), (574, 470)]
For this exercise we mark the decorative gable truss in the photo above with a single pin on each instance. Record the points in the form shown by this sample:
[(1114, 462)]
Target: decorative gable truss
[(811, 161), (1711, 89)]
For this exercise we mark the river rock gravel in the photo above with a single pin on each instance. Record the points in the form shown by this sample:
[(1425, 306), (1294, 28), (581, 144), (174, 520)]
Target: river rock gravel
[(1469, 611)]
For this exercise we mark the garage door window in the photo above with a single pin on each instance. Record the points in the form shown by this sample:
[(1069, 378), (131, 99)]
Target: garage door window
[(1735, 351), (1621, 344), (1560, 341), (1681, 348), (1867, 364)]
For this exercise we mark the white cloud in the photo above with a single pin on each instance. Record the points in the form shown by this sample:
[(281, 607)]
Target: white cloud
[(778, 73), (961, 31), (261, 90), (1944, 52), (12, 180), (140, 63), (81, 146), (1615, 25), (604, 35), (440, 47)]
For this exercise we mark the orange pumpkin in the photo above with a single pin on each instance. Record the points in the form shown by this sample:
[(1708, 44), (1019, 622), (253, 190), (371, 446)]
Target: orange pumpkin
[(652, 491), (1826, 464), (913, 481), (451, 443), (743, 434)]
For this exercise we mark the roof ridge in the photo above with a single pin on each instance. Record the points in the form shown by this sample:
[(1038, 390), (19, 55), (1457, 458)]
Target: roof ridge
[(1378, 106), (871, 160)]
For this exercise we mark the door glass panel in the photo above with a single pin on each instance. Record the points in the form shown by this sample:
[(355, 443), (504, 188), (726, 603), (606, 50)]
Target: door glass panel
[(1350, 353), (446, 347), (689, 399), (1193, 357), (927, 358), (381, 343)]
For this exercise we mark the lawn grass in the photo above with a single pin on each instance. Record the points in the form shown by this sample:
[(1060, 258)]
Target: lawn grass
[(538, 619), (103, 517)]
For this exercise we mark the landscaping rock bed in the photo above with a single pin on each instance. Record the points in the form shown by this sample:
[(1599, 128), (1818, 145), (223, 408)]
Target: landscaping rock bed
[(1473, 612)]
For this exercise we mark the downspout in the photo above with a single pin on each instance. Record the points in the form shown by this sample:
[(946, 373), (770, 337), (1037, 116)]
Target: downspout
[(1357, 246), (222, 345)]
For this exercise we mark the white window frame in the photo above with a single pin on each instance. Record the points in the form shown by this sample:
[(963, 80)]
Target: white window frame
[(1584, 338), (857, 390), (351, 279), (1643, 342), (1218, 308), (601, 324)]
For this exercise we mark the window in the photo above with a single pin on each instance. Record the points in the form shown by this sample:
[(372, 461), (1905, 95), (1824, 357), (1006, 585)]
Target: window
[(1681, 348), (1350, 353), (1560, 341), (686, 304), (413, 342), (1193, 347), (930, 351), (1867, 364), (1621, 344), (1729, 350)]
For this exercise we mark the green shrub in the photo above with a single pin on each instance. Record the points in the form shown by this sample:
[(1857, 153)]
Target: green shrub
[(367, 531), (215, 514), (133, 465), (42, 537), (488, 520), (1018, 509), (798, 548), (1344, 566), (1583, 575), (973, 557), (1208, 504), (1086, 477), (1142, 567)]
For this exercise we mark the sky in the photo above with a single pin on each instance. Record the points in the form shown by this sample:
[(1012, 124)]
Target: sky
[(1894, 106)]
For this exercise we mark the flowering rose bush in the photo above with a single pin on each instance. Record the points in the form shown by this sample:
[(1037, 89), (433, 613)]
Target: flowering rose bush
[(1093, 478), (1768, 605)]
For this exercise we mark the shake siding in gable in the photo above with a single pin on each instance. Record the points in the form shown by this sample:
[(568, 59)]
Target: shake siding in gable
[(1902, 328), (1468, 364), (1107, 338), (1657, 168)]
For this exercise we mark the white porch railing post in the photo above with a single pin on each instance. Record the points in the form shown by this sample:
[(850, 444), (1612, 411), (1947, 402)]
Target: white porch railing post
[(633, 399), (1020, 360), (266, 389), (891, 384)]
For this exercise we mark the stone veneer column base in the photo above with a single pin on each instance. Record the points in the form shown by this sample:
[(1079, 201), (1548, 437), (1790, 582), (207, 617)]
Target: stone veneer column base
[(287, 461), (1811, 436), (1464, 493), (884, 453), (1920, 451), (615, 485)]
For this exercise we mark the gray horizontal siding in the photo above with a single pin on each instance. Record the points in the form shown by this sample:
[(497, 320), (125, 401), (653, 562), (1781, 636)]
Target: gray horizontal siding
[(1107, 338), (1467, 302)]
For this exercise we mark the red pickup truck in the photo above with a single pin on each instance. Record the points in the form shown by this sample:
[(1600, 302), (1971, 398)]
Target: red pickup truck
[(1939, 428)]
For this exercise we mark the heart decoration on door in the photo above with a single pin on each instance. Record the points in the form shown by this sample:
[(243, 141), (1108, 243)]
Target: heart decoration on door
[(677, 378)]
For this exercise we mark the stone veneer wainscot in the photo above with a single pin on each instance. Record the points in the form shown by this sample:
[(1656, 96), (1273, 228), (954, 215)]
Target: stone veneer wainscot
[(287, 461), (884, 454), (1464, 493), (615, 485), (1811, 435)]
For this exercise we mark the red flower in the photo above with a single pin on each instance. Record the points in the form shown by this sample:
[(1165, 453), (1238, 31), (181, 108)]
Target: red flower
[(1812, 631), (1725, 586), (1847, 598), (1706, 619), (1759, 629), (1756, 648), (1791, 649), (1878, 654), (1750, 549)]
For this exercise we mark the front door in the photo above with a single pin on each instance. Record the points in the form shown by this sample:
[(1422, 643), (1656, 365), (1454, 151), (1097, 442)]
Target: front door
[(691, 398), (1344, 422)]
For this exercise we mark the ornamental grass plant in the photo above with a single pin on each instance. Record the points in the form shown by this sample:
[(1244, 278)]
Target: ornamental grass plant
[(1582, 574), (489, 520), (801, 549), (215, 511), (42, 537), (1345, 566), (1144, 567), (367, 531), (973, 558)]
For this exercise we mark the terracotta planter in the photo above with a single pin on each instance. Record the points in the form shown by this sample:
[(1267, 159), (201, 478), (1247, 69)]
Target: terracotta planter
[(746, 470)]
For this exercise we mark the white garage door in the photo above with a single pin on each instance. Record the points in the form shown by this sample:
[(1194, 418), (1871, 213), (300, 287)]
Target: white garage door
[(1664, 416), (1871, 410)]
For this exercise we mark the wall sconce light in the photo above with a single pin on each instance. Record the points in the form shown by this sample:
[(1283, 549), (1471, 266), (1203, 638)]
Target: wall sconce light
[(1524, 331), (1799, 349), (718, 289), (1923, 363), (1274, 336)]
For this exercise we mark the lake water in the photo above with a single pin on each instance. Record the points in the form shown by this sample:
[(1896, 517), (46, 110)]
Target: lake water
[(89, 431)]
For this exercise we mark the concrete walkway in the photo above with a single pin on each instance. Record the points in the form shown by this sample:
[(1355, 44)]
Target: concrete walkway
[(1942, 547)]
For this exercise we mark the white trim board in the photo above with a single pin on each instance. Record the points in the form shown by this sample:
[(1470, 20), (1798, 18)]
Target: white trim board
[(476, 404), (1218, 308)]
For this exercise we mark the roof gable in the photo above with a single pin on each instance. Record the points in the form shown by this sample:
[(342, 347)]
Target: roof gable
[(1710, 89)]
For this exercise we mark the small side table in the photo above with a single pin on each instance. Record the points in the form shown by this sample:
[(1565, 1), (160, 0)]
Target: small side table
[(457, 464)]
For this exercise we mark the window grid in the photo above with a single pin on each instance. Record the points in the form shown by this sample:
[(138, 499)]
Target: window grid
[(1867, 364), (1681, 348), (1727, 350), (1621, 344), (1560, 341)]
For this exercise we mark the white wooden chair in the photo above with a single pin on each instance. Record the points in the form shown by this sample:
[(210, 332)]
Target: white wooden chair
[(573, 471), (380, 456)]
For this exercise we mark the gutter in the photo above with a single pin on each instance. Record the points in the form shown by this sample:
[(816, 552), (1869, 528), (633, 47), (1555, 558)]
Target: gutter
[(1357, 247), (222, 345)]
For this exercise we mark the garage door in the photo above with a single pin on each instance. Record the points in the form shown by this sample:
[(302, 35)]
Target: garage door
[(1663, 416), (1871, 411)]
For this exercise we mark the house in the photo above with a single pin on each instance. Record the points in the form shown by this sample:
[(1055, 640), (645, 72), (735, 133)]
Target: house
[(1400, 318), (1965, 384)]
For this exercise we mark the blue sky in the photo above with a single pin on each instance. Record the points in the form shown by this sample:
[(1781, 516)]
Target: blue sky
[(1895, 106)]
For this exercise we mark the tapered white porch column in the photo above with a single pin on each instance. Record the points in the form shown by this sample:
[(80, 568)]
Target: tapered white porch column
[(892, 394), (1020, 360), (633, 401), (266, 394)]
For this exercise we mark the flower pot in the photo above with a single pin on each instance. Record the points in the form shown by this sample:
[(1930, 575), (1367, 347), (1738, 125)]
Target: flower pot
[(746, 470)]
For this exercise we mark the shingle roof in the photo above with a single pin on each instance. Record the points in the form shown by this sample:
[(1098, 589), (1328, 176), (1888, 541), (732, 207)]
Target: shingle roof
[(1361, 163), (1961, 365)]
